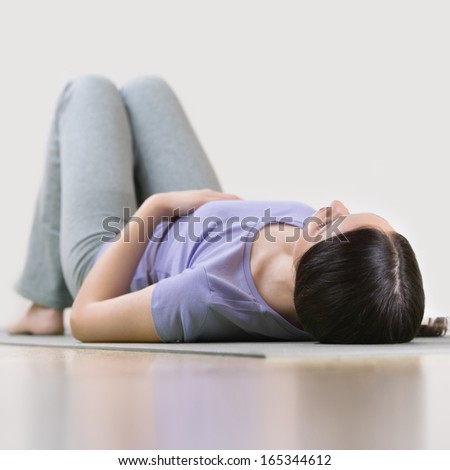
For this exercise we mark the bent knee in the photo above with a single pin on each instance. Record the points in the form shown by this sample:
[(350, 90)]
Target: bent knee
[(145, 84), (91, 82)]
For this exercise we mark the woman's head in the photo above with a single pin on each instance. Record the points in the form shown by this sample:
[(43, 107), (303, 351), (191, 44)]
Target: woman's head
[(362, 284)]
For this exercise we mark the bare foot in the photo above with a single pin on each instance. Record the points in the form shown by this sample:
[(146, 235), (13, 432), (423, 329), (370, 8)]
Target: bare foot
[(39, 320)]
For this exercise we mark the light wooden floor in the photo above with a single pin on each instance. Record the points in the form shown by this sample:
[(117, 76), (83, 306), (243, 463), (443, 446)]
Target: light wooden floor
[(52, 398)]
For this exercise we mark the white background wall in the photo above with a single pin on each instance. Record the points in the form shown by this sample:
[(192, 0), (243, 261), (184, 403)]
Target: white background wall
[(291, 99)]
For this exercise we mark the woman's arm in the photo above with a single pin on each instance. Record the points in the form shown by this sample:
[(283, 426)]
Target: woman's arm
[(103, 309)]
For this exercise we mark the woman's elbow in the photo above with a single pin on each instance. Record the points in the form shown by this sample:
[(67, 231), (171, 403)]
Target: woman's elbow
[(78, 324)]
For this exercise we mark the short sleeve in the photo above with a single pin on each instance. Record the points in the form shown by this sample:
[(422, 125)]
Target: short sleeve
[(179, 305)]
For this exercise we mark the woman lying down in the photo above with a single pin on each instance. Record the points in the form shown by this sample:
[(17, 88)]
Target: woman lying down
[(126, 234)]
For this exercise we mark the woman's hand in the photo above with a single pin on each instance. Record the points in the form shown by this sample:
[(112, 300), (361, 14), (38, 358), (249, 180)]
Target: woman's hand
[(181, 203), (101, 310)]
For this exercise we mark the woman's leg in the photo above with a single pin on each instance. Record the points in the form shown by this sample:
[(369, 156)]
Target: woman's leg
[(96, 172), (42, 280), (90, 159), (89, 177), (168, 154)]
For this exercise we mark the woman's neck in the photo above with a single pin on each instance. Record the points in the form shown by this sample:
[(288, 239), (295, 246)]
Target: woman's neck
[(271, 265)]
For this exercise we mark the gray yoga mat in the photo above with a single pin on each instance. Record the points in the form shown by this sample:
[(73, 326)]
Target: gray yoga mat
[(272, 350)]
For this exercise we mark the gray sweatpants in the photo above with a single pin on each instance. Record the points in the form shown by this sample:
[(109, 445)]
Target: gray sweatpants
[(108, 150)]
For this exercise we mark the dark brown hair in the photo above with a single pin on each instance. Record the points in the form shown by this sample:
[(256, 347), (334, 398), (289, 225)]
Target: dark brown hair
[(436, 327), (363, 286)]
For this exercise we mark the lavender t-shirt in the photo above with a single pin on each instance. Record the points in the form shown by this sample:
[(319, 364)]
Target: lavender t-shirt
[(201, 264)]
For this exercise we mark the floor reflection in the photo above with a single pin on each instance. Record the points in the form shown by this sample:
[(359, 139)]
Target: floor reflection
[(54, 398)]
